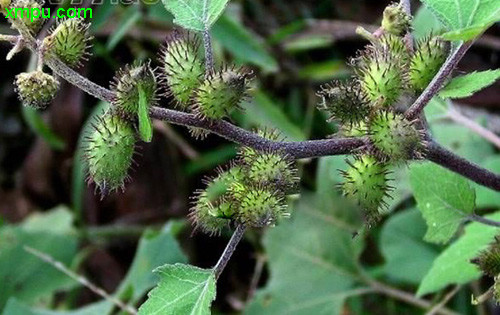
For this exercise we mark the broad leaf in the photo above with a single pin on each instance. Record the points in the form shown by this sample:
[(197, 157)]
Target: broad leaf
[(453, 265), (198, 15), (182, 289), (466, 85), (408, 258), (425, 23), (466, 34), (444, 198), (312, 261), (460, 14)]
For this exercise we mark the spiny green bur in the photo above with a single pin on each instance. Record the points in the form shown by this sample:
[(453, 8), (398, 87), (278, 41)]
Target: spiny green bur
[(182, 68), (213, 208), (425, 63), (395, 20), (109, 153), (366, 183), (258, 206), (380, 77), (488, 259), (36, 89), (31, 23), (270, 169), (344, 102), (395, 138), (69, 41), (128, 83), (220, 93)]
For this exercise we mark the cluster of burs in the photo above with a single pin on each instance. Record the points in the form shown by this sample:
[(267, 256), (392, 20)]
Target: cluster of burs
[(388, 74), (251, 191)]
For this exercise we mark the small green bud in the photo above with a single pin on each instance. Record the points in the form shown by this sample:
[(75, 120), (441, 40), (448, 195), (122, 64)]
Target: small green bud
[(182, 68), (344, 102), (213, 209), (428, 58), (366, 183), (109, 153), (270, 169), (394, 138), (258, 206), (381, 77), (33, 24), (220, 93), (36, 89), (488, 260), (395, 20), (69, 41)]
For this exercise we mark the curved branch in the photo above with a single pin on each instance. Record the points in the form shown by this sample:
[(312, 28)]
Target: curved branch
[(302, 149), (457, 164)]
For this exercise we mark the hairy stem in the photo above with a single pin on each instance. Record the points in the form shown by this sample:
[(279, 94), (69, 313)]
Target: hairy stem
[(229, 250), (433, 88), (486, 221), (209, 55), (457, 164)]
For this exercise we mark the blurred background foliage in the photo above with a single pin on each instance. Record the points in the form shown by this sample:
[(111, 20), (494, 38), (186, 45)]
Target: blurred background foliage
[(293, 47)]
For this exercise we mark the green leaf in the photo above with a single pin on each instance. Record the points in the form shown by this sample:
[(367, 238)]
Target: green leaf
[(183, 289), (198, 15), (444, 198), (145, 125), (243, 44), (453, 265), (35, 122), (465, 34), (25, 276), (425, 23), (312, 261), (486, 197), (155, 249), (408, 258), (324, 71), (460, 14), (466, 85)]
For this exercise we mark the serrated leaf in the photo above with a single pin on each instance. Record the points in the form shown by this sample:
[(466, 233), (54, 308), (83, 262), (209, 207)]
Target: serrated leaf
[(183, 289), (444, 198), (312, 261), (408, 258), (453, 265), (198, 15), (460, 14), (466, 85), (145, 125), (243, 44)]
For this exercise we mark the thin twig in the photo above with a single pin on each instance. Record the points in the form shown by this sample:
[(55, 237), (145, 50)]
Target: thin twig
[(9, 38), (80, 279), (406, 297), (257, 273), (483, 297), (433, 88), (229, 250), (444, 301), (176, 139), (456, 116)]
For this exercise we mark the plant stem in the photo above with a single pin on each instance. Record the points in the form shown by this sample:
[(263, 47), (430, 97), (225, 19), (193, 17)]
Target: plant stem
[(438, 81), (209, 55), (486, 221), (406, 297), (229, 250), (443, 302), (457, 164)]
